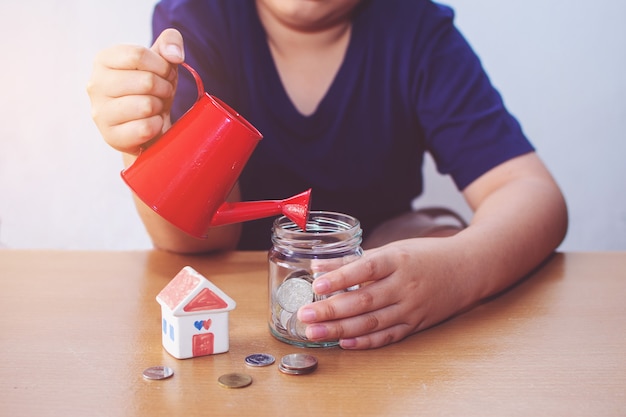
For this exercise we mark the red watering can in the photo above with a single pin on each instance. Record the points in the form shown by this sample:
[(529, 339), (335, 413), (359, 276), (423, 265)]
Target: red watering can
[(186, 175)]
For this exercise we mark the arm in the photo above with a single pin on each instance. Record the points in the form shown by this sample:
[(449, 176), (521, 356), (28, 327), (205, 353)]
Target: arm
[(520, 218), (131, 91)]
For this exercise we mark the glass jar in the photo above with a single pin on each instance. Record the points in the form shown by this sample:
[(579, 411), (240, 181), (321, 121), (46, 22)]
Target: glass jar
[(297, 258)]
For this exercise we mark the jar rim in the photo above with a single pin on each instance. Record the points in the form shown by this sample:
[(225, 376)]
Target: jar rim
[(327, 232), (319, 222)]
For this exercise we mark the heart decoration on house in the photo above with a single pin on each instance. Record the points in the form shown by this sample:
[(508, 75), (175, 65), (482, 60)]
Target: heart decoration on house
[(199, 324)]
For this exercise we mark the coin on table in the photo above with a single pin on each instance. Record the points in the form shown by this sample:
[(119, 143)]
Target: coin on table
[(297, 364), (288, 371), (234, 380), (294, 293), (260, 359), (157, 372)]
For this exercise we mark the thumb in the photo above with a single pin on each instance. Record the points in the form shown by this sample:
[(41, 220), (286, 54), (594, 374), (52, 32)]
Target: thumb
[(169, 45)]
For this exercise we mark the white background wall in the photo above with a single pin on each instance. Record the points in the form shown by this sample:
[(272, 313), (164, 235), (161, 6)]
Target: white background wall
[(559, 64)]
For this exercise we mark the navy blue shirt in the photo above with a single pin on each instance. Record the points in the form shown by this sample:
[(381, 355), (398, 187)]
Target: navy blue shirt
[(409, 84)]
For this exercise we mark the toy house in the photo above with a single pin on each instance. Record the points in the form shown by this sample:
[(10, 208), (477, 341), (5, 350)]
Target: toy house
[(194, 314)]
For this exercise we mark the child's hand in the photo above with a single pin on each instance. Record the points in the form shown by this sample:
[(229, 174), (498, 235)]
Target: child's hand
[(132, 88), (411, 285)]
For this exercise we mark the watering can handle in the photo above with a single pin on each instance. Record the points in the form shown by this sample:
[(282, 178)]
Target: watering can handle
[(200, 86), (196, 77)]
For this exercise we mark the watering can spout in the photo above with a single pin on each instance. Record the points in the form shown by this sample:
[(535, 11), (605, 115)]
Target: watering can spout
[(295, 208)]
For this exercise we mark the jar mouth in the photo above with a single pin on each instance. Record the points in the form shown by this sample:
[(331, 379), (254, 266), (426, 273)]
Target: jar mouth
[(319, 222), (324, 229)]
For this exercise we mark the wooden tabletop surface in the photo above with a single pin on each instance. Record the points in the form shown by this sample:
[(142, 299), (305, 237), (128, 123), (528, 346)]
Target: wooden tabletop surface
[(78, 328)]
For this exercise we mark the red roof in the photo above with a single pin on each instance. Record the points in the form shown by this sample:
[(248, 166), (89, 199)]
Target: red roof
[(189, 292)]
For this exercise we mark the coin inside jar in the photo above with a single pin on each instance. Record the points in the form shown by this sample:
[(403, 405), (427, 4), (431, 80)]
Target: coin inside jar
[(296, 328), (294, 293), (299, 256), (234, 380), (297, 364)]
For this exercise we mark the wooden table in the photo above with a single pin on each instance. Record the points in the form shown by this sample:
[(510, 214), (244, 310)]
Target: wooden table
[(78, 328)]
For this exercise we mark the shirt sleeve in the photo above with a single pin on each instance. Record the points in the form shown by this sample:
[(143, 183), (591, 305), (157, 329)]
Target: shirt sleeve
[(466, 125)]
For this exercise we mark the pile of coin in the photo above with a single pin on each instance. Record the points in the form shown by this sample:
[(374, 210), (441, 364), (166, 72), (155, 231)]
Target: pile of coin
[(297, 364), (292, 364), (294, 292)]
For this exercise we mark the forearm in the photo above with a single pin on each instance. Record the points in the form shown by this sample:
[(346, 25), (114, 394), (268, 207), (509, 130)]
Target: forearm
[(513, 230), (413, 284)]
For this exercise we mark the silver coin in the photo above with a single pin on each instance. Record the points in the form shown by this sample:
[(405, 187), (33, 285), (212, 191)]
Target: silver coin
[(284, 318), (294, 293), (158, 372), (299, 362), (280, 317), (260, 359), (318, 297), (296, 328)]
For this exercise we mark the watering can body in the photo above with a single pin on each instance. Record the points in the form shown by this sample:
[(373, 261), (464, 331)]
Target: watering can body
[(187, 174)]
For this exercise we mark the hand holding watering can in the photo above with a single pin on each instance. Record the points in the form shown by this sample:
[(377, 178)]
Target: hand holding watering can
[(186, 175)]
